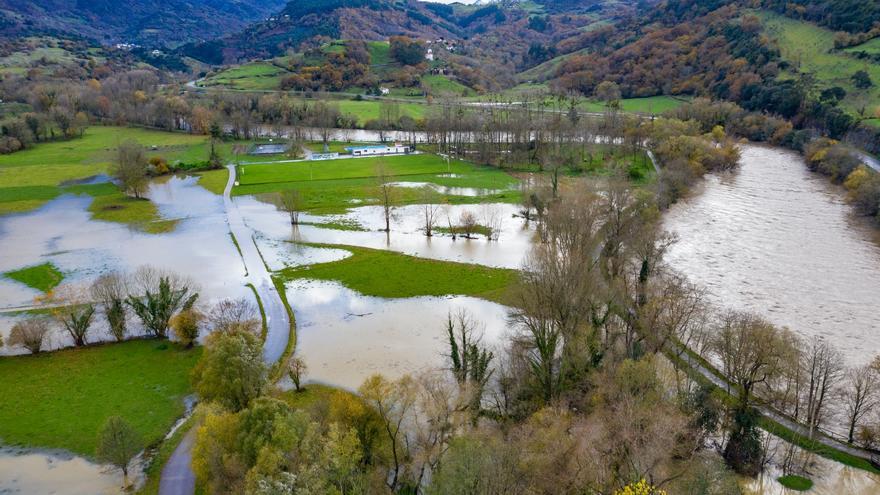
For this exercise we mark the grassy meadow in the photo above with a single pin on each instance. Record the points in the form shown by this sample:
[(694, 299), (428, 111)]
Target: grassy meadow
[(43, 277), (332, 186), (388, 274), (810, 48), (61, 399), (255, 76)]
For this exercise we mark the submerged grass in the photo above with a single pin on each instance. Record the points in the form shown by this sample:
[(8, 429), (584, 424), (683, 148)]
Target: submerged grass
[(61, 399), (388, 274), (795, 482), (43, 277)]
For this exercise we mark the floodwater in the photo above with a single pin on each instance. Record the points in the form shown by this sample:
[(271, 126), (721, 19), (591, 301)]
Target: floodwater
[(34, 472), (407, 232), (776, 239), (63, 233), (829, 478), (344, 336)]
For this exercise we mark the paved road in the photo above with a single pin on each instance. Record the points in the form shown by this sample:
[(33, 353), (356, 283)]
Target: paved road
[(177, 476), (868, 160)]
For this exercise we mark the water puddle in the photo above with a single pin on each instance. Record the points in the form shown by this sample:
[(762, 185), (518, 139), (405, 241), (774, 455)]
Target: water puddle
[(34, 472), (344, 336), (470, 192)]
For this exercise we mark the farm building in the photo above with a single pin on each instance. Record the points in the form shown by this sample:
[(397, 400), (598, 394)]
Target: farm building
[(394, 149)]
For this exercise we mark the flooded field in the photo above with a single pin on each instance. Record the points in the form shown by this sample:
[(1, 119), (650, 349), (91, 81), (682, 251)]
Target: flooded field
[(407, 231), (776, 239), (43, 472), (63, 233), (345, 337)]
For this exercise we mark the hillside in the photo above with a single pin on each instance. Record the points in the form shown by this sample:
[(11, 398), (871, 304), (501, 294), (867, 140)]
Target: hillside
[(154, 23)]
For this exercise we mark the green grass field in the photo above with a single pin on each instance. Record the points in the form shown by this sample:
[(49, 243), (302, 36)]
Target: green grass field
[(61, 399), (442, 85), (871, 47), (392, 275), (43, 277), (366, 110), (648, 105), (255, 76), (811, 49), (335, 185), (794, 482)]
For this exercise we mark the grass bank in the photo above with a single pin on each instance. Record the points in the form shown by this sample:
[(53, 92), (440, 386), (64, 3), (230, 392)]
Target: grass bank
[(43, 277), (381, 273), (61, 399)]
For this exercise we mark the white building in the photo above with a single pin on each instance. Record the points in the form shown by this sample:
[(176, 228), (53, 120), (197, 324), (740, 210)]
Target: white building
[(395, 149), (429, 55)]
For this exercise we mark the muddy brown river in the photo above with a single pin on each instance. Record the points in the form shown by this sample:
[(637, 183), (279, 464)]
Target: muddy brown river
[(778, 240)]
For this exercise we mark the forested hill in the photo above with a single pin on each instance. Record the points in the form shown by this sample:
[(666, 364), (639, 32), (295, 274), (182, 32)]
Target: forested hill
[(155, 23)]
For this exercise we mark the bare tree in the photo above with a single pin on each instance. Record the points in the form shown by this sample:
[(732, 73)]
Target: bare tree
[(467, 222), (72, 309), (296, 370), (387, 195), (395, 403), (109, 291), (492, 221), (231, 315), (292, 203), (824, 368), (860, 395), (30, 334), (430, 209)]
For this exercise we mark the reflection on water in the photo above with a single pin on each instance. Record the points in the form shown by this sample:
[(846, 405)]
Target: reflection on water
[(344, 336), (407, 234), (43, 473), (63, 233), (776, 239), (471, 192), (829, 478)]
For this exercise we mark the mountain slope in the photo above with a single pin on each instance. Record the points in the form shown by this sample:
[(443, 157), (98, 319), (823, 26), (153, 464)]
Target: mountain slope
[(145, 22)]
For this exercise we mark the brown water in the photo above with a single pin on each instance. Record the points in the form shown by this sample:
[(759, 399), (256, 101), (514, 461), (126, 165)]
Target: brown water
[(776, 239), (42, 473), (344, 336)]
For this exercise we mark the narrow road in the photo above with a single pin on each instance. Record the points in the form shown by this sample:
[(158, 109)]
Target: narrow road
[(177, 475), (868, 160)]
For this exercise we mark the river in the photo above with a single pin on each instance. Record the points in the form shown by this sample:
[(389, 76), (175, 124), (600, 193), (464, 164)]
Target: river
[(776, 239)]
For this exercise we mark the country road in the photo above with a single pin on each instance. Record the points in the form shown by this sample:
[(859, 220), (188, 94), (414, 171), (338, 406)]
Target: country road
[(177, 475)]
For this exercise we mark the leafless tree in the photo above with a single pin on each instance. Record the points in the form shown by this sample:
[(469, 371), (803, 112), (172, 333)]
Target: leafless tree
[(291, 202), (73, 310), (296, 370), (823, 366), (130, 168), (430, 209), (387, 194), (31, 334), (467, 222), (860, 395), (231, 315), (492, 221)]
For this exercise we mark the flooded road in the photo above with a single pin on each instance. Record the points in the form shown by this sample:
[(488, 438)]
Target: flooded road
[(344, 337), (778, 240)]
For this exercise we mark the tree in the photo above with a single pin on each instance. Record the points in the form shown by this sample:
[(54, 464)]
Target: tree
[(394, 402), (118, 443), (296, 369), (862, 80), (231, 315), (406, 50), (860, 396), (109, 291), (467, 222), (186, 326), (292, 203), (156, 307), (231, 370), (131, 168), (387, 194), (429, 209), (609, 93), (30, 334), (216, 133), (73, 311)]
